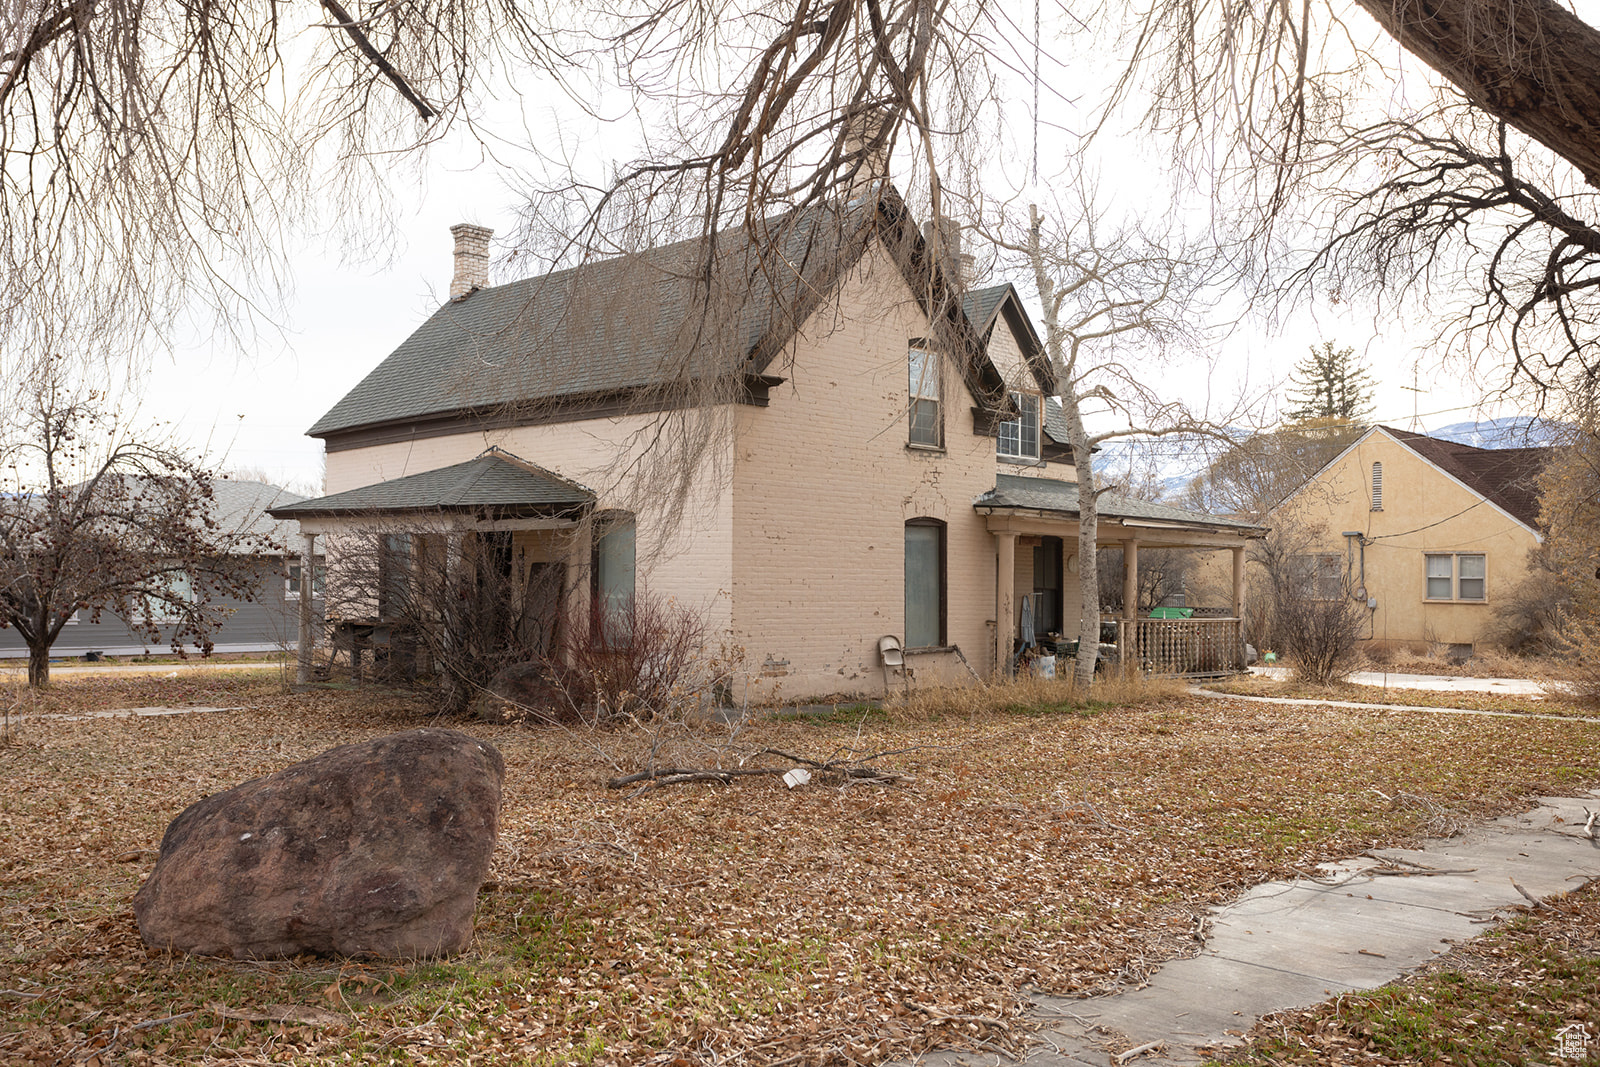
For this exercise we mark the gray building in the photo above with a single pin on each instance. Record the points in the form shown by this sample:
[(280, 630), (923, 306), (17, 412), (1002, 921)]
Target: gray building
[(265, 624)]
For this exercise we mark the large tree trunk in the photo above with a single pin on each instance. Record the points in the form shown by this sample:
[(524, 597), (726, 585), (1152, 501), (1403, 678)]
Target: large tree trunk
[(1532, 63), (38, 665), (1088, 538)]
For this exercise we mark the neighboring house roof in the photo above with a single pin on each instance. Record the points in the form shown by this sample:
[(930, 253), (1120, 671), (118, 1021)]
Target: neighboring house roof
[(1508, 477), (653, 320), (495, 481), (1047, 494), (241, 508)]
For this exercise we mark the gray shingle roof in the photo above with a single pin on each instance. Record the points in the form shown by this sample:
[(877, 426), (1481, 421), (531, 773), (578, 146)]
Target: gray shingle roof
[(1055, 422), (618, 326), (1047, 494), (494, 481), (241, 507), (981, 305)]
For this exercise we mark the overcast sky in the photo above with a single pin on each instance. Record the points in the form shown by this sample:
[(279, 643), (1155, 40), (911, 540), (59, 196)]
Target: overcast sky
[(343, 318)]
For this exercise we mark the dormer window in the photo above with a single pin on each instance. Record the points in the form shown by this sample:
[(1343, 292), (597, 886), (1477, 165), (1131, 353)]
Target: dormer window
[(1018, 438)]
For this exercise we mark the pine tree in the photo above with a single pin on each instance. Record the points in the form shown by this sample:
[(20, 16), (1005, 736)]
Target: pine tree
[(1330, 385)]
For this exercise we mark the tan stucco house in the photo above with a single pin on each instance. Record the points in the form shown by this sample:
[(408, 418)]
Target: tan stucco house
[(877, 460), (1432, 533)]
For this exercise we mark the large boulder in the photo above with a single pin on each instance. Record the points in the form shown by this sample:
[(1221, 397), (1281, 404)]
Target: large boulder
[(372, 849)]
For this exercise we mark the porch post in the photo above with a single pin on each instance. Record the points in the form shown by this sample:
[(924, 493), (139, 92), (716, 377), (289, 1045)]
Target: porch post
[(1238, 582), (1130, 580), (1005, 581), (308, 578)]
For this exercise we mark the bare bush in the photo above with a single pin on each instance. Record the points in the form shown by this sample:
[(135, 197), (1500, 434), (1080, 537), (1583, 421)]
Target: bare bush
[(1320, 637), (643, 661), (1308, 610)]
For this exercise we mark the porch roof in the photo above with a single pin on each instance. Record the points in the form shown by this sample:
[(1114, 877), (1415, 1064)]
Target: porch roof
[(495, 481), (1022, 493)]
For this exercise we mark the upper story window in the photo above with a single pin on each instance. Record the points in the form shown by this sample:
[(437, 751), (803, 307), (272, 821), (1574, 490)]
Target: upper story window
[(927, 420), (1377, 487), (1459, 576), (1019, 437)]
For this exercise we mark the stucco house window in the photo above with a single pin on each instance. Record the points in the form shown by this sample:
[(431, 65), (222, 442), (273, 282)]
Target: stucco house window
[(1019, 437), (925, 583), (1377, 487), (927, 422), (1457, 576), (1318, 576)]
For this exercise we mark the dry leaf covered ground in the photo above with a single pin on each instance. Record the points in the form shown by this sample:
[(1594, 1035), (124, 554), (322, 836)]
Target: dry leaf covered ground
[(1066, 850)]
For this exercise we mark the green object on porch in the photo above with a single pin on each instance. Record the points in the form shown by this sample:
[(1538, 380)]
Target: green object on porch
[(1269, 657), (1172, 613)]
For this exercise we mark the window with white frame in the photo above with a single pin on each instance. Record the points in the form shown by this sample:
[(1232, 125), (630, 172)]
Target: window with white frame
[(170, 604), (292, 578), (1457, 576), (927, 422), (613, 576), (1019, 437)]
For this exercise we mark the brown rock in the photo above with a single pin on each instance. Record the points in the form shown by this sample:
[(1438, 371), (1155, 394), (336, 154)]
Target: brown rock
[(371, 849)]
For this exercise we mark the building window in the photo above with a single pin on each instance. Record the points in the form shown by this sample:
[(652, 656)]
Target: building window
[(171, 604), (613, 575), (925, 583), (291, 582), (394, 575), (1319, 576), (1377, 487), (927, 424), (1019, 437), (1459, 576)]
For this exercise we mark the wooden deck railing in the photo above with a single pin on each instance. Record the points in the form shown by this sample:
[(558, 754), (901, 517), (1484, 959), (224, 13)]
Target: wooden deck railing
[(1182, 646)]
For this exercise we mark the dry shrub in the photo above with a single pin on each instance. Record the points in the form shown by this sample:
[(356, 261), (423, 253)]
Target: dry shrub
[(1321, 637), (642, 661), (1030, 694)]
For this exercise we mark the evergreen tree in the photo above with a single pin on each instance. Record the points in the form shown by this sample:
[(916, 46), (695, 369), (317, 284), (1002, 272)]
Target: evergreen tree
[(1330, 385)]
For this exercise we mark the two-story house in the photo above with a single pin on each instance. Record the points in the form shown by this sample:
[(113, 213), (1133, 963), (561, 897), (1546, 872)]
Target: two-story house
[(815, 440)]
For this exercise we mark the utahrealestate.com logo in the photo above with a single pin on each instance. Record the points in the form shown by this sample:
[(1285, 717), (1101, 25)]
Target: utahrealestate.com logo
[(1572, 1043)]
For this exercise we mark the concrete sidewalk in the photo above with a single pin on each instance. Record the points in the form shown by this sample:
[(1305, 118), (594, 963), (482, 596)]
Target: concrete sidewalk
[(1444, 683), (1361, 924)]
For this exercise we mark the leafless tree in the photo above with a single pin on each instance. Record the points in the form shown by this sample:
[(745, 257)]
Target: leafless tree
[(1412, 207), (100, 517), (1106, 293), (1308, 611), (1251, 477)]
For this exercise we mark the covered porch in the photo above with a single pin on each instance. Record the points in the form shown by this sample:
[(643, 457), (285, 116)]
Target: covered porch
[(1034, 522), (443, 534)]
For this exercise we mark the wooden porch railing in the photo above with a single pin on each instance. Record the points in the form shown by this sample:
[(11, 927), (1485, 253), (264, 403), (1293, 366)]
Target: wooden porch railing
[(1182, 646)]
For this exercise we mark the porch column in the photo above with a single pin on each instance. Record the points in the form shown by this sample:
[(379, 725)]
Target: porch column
[(1130, 580), (1238, 582), (308, 578), (1005, 592)]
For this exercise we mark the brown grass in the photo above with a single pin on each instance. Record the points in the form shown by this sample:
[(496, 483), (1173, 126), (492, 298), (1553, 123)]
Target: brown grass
[(1065, 846)]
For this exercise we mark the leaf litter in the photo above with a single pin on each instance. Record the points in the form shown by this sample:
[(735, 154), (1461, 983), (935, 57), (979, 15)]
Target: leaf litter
[(750, 923)]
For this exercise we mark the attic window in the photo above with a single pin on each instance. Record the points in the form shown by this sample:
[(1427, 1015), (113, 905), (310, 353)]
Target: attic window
[(1377, 487)]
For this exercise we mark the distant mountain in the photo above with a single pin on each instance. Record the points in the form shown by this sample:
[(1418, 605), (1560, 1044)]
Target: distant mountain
[(1517, 431)]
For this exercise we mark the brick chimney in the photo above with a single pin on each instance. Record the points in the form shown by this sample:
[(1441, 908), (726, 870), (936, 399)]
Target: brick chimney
[(861, 130), (472, 258)]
